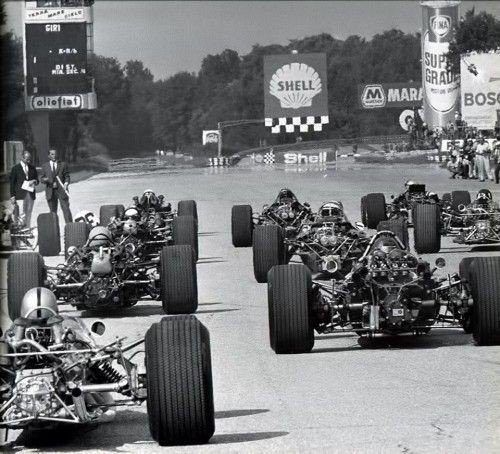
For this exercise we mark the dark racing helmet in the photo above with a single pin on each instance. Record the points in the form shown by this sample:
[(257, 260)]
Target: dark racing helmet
[(149, 199), (286, 196), (39, 304), (484, 195)]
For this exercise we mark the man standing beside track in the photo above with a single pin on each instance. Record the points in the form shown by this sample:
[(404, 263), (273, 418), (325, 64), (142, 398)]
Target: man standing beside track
[(23, 178), (55, 175), (483, 152)]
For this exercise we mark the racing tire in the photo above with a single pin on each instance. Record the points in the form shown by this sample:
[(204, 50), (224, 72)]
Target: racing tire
[(375, 209), (460, 198), (427, 228), (464, 273), (75, 235), (178, 280), (397, 226), (289, 293), (49, 235), (25, 270), (485, 288), (185, 231), (268, 250), (106, 212), (241, 225), (187, 208), (363, 210), (180, 402)]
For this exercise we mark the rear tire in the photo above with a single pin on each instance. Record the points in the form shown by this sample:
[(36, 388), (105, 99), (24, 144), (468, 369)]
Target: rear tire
[(180, 400), (268, 250), (460, 198), (178, 280), (185, 231), (363, 210), (427, 228), (187, 208), (49, 235), (241, 225), (375, 209), (446, 199), (106, 212), (485, 287), (75, 234), (289, 293), (25, 270), (397, 226)]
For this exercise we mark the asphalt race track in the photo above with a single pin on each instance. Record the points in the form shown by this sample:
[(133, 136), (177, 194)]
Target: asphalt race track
[(436, 393)]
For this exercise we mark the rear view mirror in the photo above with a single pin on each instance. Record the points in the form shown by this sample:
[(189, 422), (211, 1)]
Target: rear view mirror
[(98, 328), (440, 262)]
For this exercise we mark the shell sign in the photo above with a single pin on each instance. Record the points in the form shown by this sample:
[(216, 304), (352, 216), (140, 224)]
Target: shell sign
[(295, 85)]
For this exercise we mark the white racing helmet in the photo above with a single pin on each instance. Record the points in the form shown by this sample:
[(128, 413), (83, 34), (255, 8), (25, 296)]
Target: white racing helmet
[(39, 303)]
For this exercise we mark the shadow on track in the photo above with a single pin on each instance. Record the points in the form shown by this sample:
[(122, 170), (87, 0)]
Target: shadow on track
[(145, 310), (129, 427), (436, 339), (238, 413)]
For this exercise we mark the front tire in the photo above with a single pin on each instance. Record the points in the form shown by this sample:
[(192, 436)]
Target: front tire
[(185, 231), (25, 270), (289, 293), (427, 228), (49, 235), (187, 208), (75, 235), (241, 225), (178, 280), (180, 401), (268, 250), (485, 287), (375, 209)]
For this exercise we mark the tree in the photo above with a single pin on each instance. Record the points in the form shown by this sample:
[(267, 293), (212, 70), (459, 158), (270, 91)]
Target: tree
[(476, 32)]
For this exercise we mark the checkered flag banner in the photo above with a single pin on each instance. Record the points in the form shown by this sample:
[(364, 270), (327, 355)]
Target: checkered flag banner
[(269, 157), (296, 124)]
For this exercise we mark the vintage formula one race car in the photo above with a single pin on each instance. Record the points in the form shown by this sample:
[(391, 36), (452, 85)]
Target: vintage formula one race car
[(104, 274), (16, 236), (389, 291), (468, 223), (285, 212), (53, 373), (149, 223), (374, 208)]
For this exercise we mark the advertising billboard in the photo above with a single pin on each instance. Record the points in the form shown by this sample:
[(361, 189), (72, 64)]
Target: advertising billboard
[(480, 84), (376, 96), (441, 86), (295, 87)]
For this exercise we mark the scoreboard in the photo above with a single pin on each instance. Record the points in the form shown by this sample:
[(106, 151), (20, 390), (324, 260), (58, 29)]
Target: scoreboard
[(57, 41), (56, 59)]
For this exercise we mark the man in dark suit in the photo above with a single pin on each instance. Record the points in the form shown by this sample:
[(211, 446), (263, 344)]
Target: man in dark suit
[(23, 179), (55, 175)]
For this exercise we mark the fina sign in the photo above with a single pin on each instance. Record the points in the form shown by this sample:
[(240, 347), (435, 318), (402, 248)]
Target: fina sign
[(440, 25), (375, 96)]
